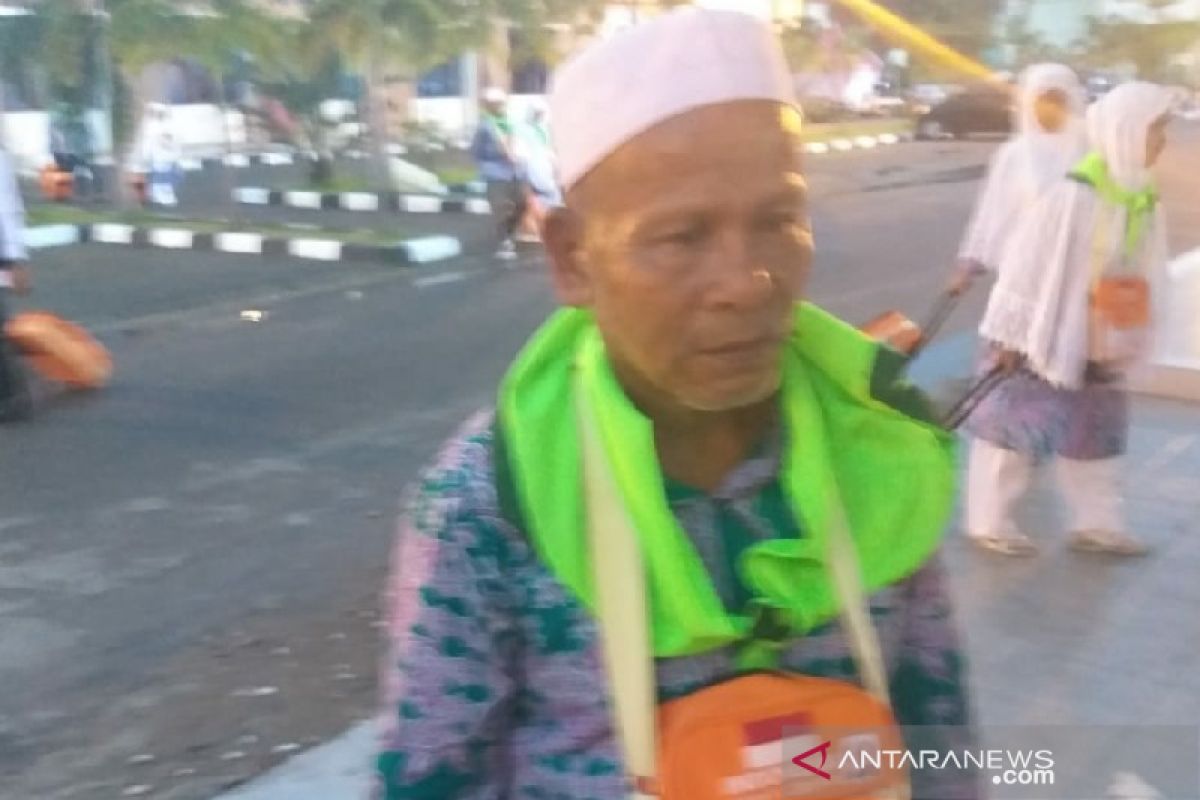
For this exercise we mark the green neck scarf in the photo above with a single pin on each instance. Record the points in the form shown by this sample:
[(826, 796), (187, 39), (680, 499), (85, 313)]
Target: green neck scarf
[(893, 473), (1139, 205), (501, 122)]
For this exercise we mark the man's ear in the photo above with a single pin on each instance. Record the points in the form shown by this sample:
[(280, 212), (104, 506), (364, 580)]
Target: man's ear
[(563, 235)]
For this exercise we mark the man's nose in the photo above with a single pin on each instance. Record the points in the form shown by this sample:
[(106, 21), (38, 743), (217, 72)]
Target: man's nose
[(744, 278)]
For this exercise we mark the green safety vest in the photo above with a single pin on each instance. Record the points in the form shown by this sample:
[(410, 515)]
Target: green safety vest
[(849, 421)]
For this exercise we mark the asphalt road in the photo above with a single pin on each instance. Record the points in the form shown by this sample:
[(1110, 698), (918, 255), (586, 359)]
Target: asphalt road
[(190, 561)]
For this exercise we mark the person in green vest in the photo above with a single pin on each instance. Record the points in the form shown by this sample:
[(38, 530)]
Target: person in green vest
[(1071, 317), (737, 423), (493, 150)]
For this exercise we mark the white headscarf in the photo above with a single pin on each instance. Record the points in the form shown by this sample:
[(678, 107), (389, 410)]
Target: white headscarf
[(1027, 164), (1117, 125), (1039, 306)]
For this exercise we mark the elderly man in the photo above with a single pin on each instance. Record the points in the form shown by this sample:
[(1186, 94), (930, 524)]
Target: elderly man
[(688, 402)]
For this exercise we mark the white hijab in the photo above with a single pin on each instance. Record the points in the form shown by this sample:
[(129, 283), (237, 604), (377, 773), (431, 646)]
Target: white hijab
[(12, 216), (1029, 163), (1118, 125), (1039, 306)]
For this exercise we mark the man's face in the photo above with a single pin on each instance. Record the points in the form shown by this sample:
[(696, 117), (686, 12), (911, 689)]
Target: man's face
[(690, 244)]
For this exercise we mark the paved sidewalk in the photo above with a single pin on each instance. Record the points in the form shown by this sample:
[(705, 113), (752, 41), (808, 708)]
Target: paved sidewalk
[(335, 770), (1061, 639)]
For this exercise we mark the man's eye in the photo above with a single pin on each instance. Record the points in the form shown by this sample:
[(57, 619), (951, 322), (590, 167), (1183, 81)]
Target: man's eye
[(684, 237), (781, 222)]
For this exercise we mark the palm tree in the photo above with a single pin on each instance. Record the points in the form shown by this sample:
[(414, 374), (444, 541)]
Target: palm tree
[(374, 37), (220, 33), (139, 33)]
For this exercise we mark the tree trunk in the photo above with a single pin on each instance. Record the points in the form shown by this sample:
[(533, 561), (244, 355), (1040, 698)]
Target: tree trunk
[(377, 118), (124, 152), (227, 148)]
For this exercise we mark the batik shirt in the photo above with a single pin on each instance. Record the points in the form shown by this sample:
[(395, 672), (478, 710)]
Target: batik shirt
[(494, 683)]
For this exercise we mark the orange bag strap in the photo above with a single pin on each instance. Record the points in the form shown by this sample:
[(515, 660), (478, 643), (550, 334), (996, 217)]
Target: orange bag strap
[(624, 613)]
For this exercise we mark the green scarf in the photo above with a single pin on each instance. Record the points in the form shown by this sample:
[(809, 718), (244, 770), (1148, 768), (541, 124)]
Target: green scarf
[(893, 472), (1139, 205), (501, 122)]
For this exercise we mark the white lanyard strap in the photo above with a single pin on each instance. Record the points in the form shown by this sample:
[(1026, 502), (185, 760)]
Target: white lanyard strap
[(623, 610)]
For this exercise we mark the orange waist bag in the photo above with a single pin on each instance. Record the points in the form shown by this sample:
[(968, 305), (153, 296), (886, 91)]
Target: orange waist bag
[(1122, 302), (1120, 311), (60, 351), (776, 737)]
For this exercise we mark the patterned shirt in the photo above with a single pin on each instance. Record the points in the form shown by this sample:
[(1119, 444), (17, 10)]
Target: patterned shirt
[(494, 683)]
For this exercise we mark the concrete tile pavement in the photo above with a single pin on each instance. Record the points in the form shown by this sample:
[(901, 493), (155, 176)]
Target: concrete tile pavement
[(335, 770), (1061, 639)]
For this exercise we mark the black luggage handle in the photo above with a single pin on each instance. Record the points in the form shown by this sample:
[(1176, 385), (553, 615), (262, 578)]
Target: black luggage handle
[(963, 409)]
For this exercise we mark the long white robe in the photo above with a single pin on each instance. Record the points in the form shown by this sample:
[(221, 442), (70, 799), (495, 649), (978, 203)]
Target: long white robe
[(1039, 306), (1025, 166)]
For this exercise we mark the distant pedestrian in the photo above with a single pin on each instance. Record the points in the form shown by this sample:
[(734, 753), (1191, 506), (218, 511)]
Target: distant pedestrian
[(71, 149), (160, 155), (14, 394), (1050, 139), (1073, 313), (536, 159), (164, 155), (494, 153)]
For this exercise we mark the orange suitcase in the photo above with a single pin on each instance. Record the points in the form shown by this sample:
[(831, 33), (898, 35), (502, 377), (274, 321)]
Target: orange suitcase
[(60, 351), (904, 335), (895, 329)]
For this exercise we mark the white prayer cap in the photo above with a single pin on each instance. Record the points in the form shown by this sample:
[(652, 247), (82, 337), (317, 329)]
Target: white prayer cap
[(624, 85)]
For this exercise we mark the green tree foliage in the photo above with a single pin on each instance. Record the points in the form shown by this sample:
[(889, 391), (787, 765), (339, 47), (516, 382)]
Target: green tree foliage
[(966, 25), (1150, 48)]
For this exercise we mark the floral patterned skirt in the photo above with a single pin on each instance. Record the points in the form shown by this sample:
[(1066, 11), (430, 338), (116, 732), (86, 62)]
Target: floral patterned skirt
[(1026, 414)]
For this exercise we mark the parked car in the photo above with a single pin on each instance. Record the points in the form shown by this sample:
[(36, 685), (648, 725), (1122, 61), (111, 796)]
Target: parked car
[(978, 110)]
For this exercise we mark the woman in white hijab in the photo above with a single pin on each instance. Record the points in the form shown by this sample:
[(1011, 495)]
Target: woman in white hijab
[(1049, 140), (1070, 316)]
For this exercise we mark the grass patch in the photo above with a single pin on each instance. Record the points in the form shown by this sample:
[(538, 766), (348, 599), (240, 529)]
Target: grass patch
[(70, 215), (449, 176), (337, 185), (826, 131), (454, 176)]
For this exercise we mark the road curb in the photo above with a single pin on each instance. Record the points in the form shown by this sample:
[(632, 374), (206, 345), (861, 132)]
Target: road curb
[(419, 250), (849, 143), (400, 202), (465, 198), (270, 158)]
